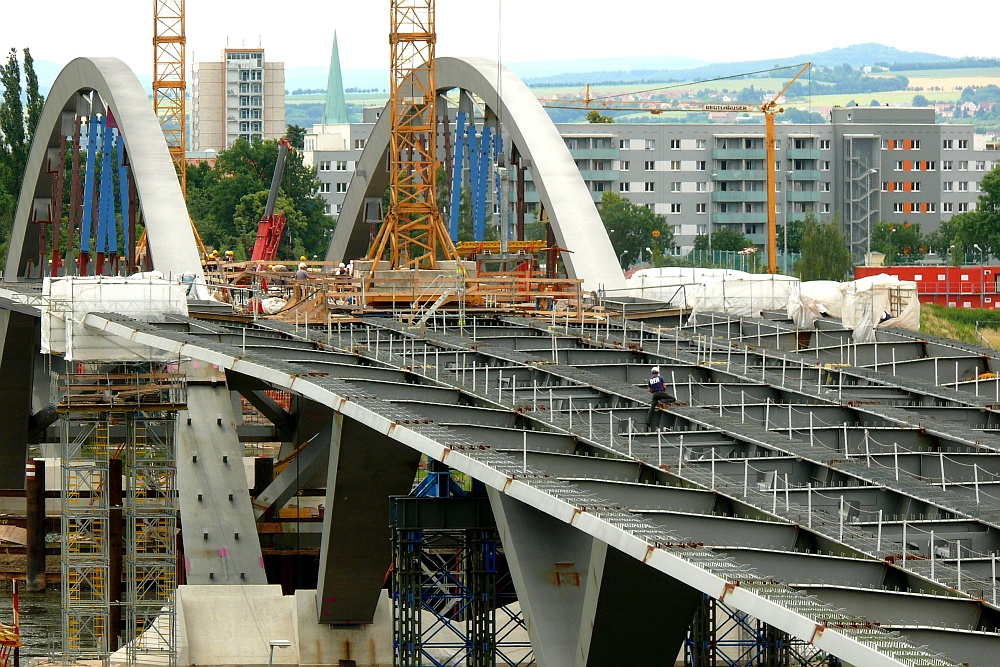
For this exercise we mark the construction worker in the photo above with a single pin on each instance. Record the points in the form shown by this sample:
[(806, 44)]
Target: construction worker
[(658, 390)]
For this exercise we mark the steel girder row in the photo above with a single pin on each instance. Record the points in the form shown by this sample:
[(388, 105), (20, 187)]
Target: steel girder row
[(852, 535), (577, 499)]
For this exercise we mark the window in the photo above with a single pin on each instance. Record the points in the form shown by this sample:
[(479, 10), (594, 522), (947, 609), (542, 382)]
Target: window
[(623, 144), (915, 145), (915, 187), (324, 187), (341, 165), (359, 144), (946, 207), (649, 187), (700, 208), (946, 165), (963, 186), (650, 165), (327, 209), (324, 165), (963, 207), (885, 144), (624, 166), (777, 144), (824, 207), (932, 207), (675, 186), (702, 186), (824, 165), (675, 208), (899, 165), (702, 230), (336, 208), (898, 145), (963, 165), (699, 144), (824, 144), (601, 186), (963, 144), (930, 166), (824, 186), (699, 165), (980, 165), (947, 186), (623, 186), (341, 187), (650, 144), (885, 186), (897, 207), (947, 144), (675, 144)]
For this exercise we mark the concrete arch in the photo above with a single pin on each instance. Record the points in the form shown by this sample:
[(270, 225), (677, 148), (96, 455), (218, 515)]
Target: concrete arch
[(575, 220), (168, 230)]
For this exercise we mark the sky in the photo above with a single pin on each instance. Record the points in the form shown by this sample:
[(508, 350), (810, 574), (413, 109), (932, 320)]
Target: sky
[(300, 32)]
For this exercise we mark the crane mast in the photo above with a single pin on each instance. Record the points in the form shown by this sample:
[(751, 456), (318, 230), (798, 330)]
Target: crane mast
[(413, 233)]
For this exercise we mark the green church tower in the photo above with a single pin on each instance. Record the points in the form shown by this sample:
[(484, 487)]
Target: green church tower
[(336, 106)]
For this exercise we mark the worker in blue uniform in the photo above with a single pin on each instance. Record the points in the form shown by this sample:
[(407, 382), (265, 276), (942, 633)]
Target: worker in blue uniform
[(658, 391)]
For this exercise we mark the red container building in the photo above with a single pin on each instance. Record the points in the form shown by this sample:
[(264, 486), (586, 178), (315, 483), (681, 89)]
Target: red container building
[(954, 286)]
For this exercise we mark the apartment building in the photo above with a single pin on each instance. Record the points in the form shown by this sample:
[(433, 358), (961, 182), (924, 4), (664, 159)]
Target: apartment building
[(868, 165), (240, 97)]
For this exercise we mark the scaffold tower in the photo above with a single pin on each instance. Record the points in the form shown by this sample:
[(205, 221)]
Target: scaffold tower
[(126, 413)]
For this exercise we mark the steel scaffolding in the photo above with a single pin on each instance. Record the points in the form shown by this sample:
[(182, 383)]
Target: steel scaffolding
[(449, 606), (129, 415)]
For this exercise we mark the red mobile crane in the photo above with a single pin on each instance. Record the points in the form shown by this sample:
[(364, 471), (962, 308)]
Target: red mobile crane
[(272, 224)]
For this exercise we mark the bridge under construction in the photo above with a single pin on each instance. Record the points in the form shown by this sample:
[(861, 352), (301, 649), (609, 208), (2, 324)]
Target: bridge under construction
[(805, 499)]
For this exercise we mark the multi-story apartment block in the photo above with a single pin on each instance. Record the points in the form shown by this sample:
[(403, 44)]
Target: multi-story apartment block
[(868, 165), (241, 97)]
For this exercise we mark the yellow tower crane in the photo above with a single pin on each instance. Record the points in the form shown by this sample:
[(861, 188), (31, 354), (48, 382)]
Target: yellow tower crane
[(769, 109), (170, 96), (413, 234)]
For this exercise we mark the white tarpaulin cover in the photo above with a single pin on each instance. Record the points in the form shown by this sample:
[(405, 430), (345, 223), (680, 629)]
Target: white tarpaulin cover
[(67, 301), (674, 285), (745, 296), (862, 305)]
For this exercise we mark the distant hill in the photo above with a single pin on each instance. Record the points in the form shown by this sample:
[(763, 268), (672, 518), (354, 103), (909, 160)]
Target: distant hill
[(858, 55)]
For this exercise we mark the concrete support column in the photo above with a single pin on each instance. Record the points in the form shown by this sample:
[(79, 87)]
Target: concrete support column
[(366, 468), (19, 338), (263, 474), (34, 485), (585, 603)]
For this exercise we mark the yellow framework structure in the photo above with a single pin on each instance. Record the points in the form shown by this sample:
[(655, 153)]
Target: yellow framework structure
[(169, 79), (413, 234)]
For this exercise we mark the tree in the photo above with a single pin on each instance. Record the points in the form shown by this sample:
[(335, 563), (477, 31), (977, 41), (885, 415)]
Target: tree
[(631, 228), (226, 201), (729, 239), (594, 116), (17, 128), (296, 136), (825, 255), (900, 242), (920, 101)]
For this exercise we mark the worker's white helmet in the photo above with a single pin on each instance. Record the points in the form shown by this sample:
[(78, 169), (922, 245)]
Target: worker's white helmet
[(341, 265), (654, 369)]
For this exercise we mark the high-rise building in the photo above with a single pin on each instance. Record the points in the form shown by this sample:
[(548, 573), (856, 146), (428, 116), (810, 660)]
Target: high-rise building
[(241, 97)]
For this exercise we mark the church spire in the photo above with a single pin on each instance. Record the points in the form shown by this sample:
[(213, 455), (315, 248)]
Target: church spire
[(336, 106)]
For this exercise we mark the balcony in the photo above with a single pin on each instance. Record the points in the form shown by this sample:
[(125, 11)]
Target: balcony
[(600, 174), (739, 196), (739, 174), (739, 154), (802, 195), (744, 218), (803, 175), (802, 154), (594, 153)]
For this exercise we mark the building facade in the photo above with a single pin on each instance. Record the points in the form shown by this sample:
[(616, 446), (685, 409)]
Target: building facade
[(868, 165), (241, 97)]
